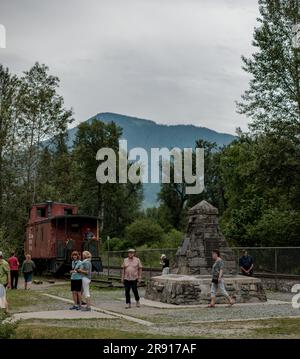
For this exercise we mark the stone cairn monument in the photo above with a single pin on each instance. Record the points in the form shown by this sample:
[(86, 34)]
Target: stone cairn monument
[(190, 280), (202, 236)]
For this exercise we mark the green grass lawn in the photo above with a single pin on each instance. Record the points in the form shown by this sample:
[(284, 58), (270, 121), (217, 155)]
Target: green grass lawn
[(279, 328), (25, 331), (265, 329), (19, 299), (31, 301)]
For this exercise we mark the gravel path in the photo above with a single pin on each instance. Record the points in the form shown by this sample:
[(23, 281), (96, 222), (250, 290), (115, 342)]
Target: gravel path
[(112, 300)]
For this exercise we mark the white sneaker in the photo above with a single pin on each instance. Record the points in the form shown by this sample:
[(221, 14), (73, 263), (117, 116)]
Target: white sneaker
[(128, 306)]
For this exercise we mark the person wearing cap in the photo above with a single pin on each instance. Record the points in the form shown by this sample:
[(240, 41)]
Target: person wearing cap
[(131, 277), (4, 282), (165, 263)]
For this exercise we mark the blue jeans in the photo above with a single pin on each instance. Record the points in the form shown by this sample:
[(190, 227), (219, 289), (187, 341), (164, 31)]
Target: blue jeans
[(214, 288)]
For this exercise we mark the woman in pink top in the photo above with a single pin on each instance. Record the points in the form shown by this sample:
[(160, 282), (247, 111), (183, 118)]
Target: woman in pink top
[(131, 276), (14, 270)]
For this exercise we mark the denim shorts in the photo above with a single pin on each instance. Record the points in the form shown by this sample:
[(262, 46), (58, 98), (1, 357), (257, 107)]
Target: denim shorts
[(28, 277)]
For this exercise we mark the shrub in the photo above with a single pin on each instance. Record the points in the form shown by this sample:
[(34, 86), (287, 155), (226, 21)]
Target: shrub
[(7, 330), (143, 232), (172, 239)]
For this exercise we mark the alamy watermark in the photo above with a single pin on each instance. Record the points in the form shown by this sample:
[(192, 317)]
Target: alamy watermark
[(296, 297), (163, 166), (2, 37)]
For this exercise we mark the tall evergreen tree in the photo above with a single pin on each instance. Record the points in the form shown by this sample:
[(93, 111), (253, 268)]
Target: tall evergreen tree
[(9, 94), (214, 190), (31, 113), (173, 198), (273, 98), (115, 204), (62, 169), (43, 117)]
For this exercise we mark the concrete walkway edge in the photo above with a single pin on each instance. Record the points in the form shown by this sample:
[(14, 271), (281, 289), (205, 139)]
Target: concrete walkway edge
[(122, 316)]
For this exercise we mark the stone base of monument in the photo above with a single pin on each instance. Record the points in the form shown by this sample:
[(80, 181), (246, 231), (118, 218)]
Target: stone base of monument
[(195, 289)]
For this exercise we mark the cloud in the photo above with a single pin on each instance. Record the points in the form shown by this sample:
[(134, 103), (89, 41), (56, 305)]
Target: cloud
[(173, 61)]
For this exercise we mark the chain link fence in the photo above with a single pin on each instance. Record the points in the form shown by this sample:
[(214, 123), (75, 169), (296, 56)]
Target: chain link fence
[(273, 260), (267, 260), (150, 259)]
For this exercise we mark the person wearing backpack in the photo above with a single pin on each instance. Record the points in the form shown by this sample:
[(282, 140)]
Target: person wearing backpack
[(27, 269)]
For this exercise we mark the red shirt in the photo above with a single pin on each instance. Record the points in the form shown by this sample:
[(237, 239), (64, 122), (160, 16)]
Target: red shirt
[(13, 263)]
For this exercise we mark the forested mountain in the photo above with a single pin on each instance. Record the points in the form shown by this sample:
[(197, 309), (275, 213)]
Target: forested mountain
[(146, 133)]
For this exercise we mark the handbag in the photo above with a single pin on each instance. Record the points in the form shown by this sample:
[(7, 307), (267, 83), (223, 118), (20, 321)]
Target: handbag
[(215, 279)]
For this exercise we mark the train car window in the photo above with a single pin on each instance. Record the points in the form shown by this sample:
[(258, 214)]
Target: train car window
[(41, 212), (68, 211)]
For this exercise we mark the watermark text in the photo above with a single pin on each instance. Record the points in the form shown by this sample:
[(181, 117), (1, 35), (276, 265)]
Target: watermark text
[(2, 37), (163, 166)]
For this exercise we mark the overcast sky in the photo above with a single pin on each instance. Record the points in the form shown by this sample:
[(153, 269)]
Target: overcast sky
[(172, 61)]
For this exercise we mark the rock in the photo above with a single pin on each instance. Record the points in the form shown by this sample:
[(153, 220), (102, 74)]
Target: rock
[(36, 281), (188, 289)]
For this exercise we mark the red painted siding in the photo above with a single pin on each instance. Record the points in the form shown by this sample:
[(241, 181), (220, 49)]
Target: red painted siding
[(42, 211), (45, 236)]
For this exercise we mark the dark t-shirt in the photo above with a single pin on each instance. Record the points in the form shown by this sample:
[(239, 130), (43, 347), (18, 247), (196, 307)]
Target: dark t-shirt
[(165, 263), (246, 262)]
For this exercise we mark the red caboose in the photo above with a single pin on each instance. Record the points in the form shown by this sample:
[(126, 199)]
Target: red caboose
[(54, 230)]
